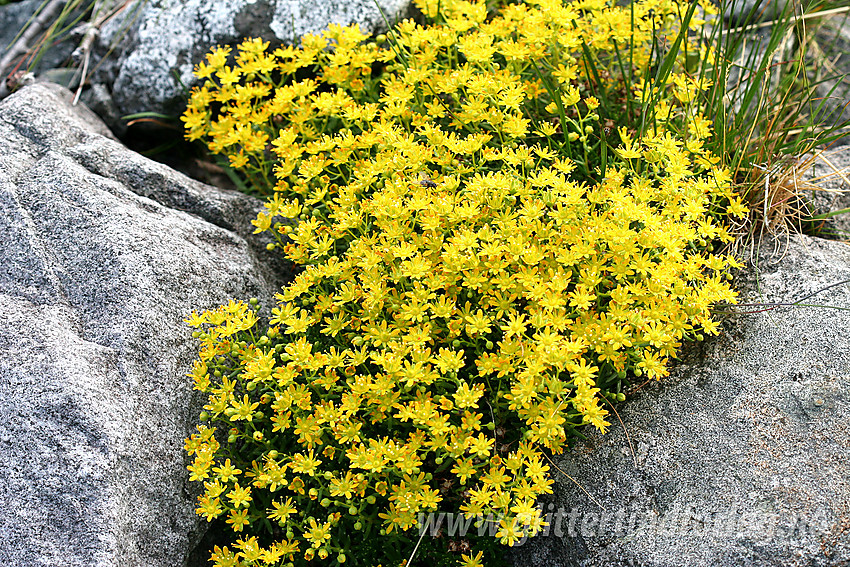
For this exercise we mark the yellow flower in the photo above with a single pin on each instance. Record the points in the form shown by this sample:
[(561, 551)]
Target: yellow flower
[(282, 510), (250, 548), (238, 519), (302, 463), (449, 360), (228, 75), (217, 57), (239, 496), (209, 507), (466, 396), (226, 472), (509, 531), (481, 445), (223, 557), (526, 511), (581, 297), (652, 366), (244, 409), (478, 323), (345, 486), (200, 468), (317, 534), (594, 414), (464, 469), (582, 373)]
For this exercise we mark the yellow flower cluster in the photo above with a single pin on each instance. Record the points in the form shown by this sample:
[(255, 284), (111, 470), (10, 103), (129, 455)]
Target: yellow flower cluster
[(488, 258)]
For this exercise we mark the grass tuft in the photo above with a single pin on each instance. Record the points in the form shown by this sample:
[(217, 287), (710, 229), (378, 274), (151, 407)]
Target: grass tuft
[(779, 103)]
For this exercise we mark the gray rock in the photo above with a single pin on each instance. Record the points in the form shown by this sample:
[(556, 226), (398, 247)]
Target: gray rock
[(830, 173), (156, 43), (830, 55), (104, 253), (99, 99), (741, 456), (14, 16)]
